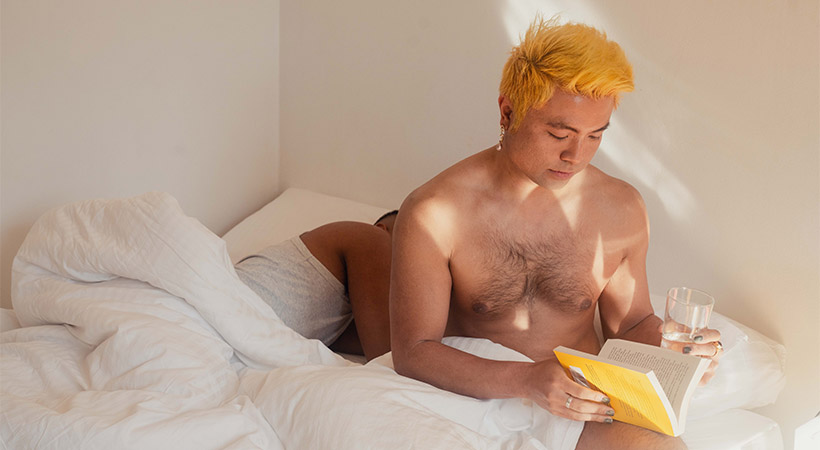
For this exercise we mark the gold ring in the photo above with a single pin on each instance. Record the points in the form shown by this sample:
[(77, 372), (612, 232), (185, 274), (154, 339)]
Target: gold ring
[(718, 348), (569, 400)]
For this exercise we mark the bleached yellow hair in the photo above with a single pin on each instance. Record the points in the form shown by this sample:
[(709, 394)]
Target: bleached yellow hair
[(573, 57)]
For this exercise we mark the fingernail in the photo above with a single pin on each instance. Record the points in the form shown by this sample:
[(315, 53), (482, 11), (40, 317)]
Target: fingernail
[(605, 400), (611, 412), (697, 338), (687, 349), (608, 420)]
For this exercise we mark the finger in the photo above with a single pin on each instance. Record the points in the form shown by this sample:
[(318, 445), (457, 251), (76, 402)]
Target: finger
[(710, 372), (709, 350), (707, 335), (707, 375), (582, 392), (578, 409), (680, 347), (587, 410)]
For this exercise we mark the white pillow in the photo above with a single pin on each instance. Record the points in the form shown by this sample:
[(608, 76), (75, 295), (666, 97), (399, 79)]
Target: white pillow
[(292, 213)]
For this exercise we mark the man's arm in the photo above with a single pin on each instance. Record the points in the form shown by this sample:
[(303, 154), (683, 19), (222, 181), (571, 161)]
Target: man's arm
[(419, 306), (626, 311)]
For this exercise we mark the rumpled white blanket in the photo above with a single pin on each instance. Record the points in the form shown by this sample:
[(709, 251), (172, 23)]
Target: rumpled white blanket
[(137, 333)]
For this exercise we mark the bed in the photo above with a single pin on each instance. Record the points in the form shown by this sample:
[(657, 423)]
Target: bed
[(130, 329)]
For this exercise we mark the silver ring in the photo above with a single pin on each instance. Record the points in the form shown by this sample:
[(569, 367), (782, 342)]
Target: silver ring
[(569, 400)]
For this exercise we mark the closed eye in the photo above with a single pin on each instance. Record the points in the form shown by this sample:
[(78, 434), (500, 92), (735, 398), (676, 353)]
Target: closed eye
[(595, 138), (560, 138)]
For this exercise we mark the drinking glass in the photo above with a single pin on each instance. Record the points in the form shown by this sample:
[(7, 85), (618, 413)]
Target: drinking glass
[(687, 312)]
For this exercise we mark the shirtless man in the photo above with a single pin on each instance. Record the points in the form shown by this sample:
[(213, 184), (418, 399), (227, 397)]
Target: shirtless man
[(330, 283), (521, 242)]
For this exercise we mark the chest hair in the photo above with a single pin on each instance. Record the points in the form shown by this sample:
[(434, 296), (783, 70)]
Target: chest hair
[(552, 272)]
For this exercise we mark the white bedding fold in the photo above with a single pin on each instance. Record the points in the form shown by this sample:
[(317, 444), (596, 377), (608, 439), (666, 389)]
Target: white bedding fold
[(372, 407), (132, 315), (137, 333), (149, 239)]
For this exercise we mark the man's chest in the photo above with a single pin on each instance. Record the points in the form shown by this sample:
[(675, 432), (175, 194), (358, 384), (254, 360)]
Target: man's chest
[(498, 272)]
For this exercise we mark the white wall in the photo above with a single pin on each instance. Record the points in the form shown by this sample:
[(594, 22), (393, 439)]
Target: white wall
[(109, 99), (721, 135)]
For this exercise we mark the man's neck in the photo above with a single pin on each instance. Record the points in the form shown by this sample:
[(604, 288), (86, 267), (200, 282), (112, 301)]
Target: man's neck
[(518, 188)]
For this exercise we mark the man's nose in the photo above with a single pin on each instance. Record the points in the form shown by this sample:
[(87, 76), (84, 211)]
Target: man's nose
[(572, 154)]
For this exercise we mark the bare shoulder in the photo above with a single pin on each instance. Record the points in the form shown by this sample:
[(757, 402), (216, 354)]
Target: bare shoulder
[(440, 204), (615, 188), (344, 235), (343, 228), (429, 211), (617, 199), (337, 245)]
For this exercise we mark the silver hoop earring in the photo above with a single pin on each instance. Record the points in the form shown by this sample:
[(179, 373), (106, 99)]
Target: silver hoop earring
[(500, 138)]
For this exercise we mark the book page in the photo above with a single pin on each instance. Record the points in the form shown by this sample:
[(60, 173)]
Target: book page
[(675, 371)]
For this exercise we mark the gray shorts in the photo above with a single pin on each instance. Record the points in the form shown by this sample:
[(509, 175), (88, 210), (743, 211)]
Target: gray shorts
[(300, 289)]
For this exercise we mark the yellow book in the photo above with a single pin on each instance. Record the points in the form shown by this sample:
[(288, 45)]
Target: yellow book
[(648, 386)]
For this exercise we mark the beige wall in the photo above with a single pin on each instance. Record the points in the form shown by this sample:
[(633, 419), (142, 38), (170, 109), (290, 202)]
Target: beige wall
[(105, 99), (721, 136)]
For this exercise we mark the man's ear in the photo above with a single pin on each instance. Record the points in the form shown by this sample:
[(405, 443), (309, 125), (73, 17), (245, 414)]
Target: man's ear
[(506, 110)]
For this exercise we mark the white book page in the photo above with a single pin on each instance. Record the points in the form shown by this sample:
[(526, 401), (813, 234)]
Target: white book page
[(675, 371)]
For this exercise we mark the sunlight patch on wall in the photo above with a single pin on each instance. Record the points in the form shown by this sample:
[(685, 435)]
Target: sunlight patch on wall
[(641, 165), (517, 15)]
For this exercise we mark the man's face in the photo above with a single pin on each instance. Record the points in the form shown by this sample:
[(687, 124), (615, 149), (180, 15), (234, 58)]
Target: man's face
[(558, 140)]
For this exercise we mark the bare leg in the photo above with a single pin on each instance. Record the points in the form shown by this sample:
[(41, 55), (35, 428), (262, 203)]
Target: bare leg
[(622, 436)]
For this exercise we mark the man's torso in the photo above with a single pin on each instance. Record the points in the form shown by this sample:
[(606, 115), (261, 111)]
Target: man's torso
[(528, 274)]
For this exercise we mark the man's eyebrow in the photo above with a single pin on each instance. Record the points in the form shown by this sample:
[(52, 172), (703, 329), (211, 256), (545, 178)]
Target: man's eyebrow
[(564, 126)]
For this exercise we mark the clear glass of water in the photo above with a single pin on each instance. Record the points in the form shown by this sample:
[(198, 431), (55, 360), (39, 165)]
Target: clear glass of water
[(687, 312)]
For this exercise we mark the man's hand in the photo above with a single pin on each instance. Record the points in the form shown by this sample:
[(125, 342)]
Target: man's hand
[(707, 345), (553, 390)]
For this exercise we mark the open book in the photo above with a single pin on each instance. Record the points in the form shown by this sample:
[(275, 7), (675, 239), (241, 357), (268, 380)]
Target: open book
[(648, 386)]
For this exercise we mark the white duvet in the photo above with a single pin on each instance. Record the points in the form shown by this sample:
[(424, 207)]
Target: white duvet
[(136, 333)]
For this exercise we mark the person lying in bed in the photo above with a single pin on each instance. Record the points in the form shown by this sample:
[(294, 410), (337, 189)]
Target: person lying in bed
[(330, 283), (522, 242)]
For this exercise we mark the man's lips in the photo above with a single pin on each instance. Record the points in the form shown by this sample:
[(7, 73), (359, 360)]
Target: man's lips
[(561, 175)]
